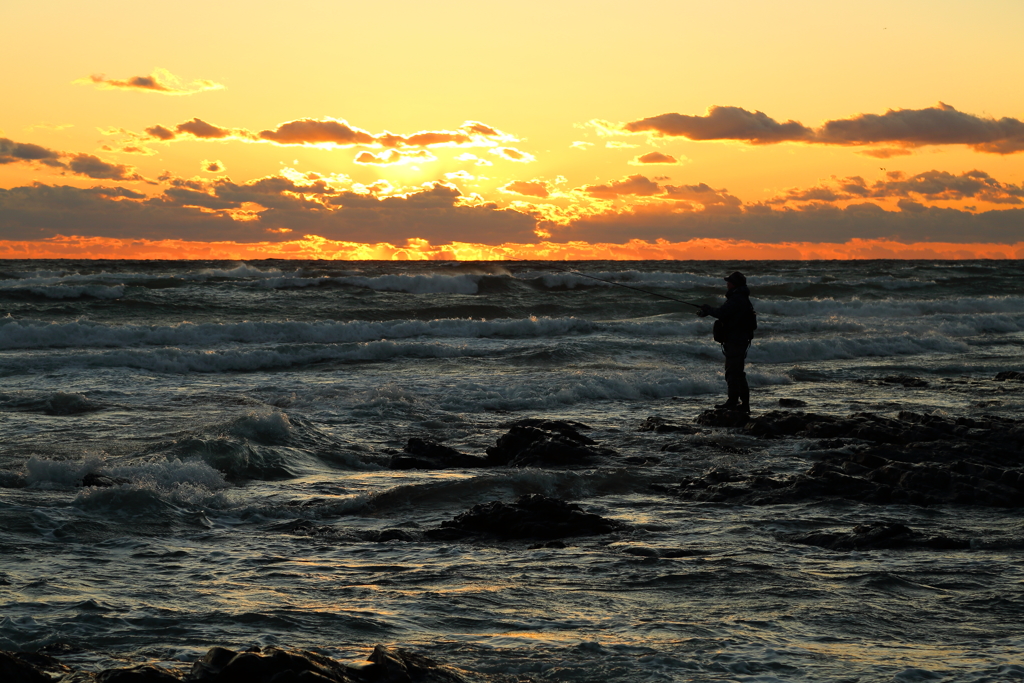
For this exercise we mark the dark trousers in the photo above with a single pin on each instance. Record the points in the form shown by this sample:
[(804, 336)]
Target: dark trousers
[(735, 377)]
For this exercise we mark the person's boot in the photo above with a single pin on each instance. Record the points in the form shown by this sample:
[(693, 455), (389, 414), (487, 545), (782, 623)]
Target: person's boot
[(745, 396), (731, 404)]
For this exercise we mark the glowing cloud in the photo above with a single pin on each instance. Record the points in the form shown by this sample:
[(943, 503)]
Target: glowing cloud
[(528, 188), (513, 154), (12, 152), (215, 166), (653, 158), (903, 128), (160, 81), (393, 156)]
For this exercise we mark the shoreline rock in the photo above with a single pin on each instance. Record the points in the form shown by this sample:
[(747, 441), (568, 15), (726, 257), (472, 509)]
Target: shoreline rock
[(255, 665)]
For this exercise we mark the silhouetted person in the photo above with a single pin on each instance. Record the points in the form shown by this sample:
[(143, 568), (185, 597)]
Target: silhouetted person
[(734, 329)]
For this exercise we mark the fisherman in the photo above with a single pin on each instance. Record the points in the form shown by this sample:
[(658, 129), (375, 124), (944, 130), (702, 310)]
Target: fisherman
[(734, 329)]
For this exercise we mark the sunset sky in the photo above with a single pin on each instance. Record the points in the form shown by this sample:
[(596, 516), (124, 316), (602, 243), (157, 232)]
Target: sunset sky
[(555, 129)]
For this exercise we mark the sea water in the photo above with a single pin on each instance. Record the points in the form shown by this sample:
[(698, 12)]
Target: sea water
[(246, 414)]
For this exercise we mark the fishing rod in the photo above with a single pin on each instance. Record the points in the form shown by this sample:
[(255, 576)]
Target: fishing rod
[(611, 282)]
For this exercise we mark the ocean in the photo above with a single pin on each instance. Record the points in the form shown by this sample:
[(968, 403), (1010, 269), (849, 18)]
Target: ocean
[(238, 421)]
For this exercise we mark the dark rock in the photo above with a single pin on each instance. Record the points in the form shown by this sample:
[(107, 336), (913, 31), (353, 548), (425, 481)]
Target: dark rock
[(905, 380), (1009, 374), (867, 478), (531, 443), (256, 665), (531, 516), (15, 669), (569, 428), (422, 454), (722, 418), (879, 536), (273, 664), (138, 674), (102, 480), (660, 426), (392, 665), (385, 535), (791, 403)]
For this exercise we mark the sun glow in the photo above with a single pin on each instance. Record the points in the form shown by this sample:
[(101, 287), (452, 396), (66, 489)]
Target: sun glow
[(315, 247)]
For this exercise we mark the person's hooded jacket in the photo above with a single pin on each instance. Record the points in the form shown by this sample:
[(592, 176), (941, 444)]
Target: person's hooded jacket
[(733, 313)]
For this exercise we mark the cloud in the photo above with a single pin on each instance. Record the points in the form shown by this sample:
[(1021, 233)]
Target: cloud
[(94, 167), (477, 161), (513, 154), (339, 133), (161, 133), (87, 165), (160, 81), (12, 152), (201, 129), (901, 128), (393, 156), (704, 195), (723, 123), (264, 209), (929, 185), (939, 125), (214, 166), (812, 223), (317, 131), (653, 158), (581, 144), (528, 188), (635, 185)]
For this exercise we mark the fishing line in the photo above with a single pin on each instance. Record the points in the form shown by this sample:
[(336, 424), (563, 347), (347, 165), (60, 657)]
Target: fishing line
[(610, 282)]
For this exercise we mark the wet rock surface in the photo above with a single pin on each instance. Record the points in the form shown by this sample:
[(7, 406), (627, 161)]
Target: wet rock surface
[(910, 459), (544, 443), (660, 425), (1009, 375), (256, 665), (529, 517), (878, 536), (528, 443), (424, 454)]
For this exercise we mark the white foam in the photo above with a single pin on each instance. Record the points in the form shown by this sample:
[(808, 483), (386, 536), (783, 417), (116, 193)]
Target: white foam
[(781, 351), (72, 291), (418, 284), (16, 334)]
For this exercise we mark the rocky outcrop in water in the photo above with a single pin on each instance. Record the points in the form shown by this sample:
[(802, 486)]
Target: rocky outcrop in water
[(256, 665), (528, 443), (878, 536), (910, 459), (424, 454), (911, 437), (545, 443), (530, 517)]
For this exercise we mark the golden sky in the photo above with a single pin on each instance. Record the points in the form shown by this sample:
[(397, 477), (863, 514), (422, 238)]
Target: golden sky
[(554, 129)]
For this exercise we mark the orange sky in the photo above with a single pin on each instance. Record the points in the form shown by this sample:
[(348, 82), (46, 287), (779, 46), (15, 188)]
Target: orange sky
[(555, 129)]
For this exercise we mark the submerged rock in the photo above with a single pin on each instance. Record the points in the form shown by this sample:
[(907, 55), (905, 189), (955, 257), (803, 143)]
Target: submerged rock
[(423, 454), (791, 403), (530, 517), (878, 536), (255, 665), (1009, 374), (538, 443), (911, 437), (102, 480), (864, 477), (660, 425)]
